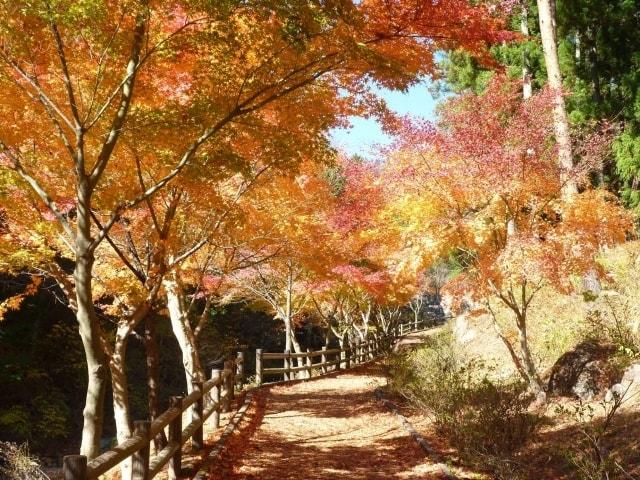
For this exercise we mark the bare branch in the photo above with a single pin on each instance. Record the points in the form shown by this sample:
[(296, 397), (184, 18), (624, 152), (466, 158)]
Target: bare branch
[(125, 102), (42, 96), (37, 188), (66, 78)]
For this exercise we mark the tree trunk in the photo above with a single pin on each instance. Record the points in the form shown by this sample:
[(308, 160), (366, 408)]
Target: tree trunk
[(182, 331), (90, 331), (153, 377), (512, 352), (120, 387), (594, 66), (287, 334), (546, 12), (535, 384), (297, 349), (527, 88)]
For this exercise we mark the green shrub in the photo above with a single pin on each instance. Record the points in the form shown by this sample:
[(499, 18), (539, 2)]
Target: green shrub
[(14, 421), (478, 416)]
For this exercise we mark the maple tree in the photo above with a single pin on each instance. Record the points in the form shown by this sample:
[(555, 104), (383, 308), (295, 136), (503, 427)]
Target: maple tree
[(288, 217), (488, 188), (368, 285)]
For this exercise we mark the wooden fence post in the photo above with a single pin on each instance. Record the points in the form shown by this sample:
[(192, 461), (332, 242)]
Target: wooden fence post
[(338, 360), (287, 365), (323, 359), (226, 400), (240, 366), (259, 366), (216, 373), (175, 437), (308, 362), (74, 467), (197, 415), (140, 467), (232, 379)]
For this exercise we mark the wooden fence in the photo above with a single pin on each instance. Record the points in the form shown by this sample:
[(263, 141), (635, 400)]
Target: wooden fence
[(329, 359), (209, 399)]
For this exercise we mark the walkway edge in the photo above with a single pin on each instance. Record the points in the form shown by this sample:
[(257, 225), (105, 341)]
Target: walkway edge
[(419, 439), (215, 452)]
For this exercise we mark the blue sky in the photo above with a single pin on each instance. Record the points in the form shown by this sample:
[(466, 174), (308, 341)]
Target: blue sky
[(365, 134)]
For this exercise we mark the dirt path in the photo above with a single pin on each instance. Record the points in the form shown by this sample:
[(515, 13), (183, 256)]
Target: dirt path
[(328, 428)]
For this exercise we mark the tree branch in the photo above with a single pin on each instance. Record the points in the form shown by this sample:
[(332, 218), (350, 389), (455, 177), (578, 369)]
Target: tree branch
[(35, 186), (125, 102)]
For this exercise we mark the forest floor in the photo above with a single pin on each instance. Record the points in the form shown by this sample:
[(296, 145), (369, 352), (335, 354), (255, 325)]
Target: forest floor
[(330, 428)]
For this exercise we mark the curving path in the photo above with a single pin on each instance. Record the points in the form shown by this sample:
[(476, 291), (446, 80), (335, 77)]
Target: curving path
[(326, 428)]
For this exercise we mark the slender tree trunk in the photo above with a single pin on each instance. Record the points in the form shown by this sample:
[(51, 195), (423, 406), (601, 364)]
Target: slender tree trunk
[(182, 330), (287, 334), (512, 352), (89, 328), (120, 387), (297, 348), (288, 311), (535, 384), (594, 66), (290, 338), (153, 376), (597, 92), (523, 359), (527, 87), (546, 12)]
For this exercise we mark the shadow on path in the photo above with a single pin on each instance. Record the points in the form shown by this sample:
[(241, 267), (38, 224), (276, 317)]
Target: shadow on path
[(326, 428)]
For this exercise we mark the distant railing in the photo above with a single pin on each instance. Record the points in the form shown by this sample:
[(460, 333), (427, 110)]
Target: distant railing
[(207, 399), (330, 359)]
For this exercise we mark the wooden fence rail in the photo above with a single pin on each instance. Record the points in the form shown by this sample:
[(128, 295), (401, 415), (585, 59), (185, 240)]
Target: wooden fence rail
[(207, 399), (330, 359)]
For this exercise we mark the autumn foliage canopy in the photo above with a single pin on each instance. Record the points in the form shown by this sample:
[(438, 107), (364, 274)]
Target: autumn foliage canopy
[(156, 155)]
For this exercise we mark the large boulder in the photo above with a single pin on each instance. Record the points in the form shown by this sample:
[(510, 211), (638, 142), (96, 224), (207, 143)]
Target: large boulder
[(583, 372)]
